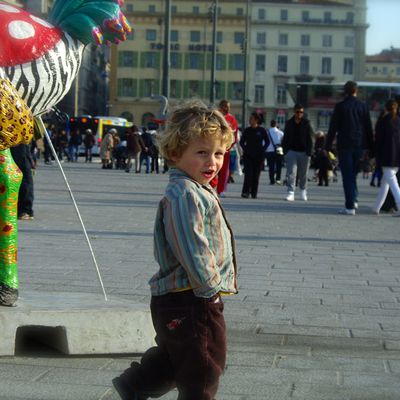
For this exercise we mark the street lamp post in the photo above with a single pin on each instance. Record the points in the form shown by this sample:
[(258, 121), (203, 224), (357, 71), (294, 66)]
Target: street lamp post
[(167, 49), (245, 56), (214, 13)]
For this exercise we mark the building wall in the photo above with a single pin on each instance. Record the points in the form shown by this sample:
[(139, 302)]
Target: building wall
[(321, 42), (335, 30), (131, 69)]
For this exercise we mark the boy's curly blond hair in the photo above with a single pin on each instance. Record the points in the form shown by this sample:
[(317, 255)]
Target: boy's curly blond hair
[(190, 120)]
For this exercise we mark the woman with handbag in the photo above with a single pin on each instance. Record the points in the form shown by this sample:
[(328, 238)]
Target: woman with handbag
[(274, 154)]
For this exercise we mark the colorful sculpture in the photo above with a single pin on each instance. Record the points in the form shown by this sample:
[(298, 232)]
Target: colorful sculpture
[(39, 61)]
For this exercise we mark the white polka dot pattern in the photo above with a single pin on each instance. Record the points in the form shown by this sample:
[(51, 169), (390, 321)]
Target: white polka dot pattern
[(21, 30)]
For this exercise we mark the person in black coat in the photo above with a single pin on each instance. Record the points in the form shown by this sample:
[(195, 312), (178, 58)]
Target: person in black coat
[(352, 124), (297, 146), (387, 153), (254, 142), (23, 158)]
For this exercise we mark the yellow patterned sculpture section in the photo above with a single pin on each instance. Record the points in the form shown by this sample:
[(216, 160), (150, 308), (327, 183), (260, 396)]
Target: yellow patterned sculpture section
[(16, 120)]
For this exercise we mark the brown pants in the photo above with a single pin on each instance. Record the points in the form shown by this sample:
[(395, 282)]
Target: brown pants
[(191, 348)]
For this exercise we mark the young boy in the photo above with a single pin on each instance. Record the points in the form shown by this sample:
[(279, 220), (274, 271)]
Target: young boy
[(194, 247)]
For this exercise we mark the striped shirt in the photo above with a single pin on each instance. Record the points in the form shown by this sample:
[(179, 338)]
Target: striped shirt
[(193, 242)]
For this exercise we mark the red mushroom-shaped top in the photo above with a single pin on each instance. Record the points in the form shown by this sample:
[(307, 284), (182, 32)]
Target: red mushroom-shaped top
[(24, 37)]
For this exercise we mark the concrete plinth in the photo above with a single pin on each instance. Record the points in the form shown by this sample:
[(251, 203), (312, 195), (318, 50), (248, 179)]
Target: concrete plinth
[(81, 323)]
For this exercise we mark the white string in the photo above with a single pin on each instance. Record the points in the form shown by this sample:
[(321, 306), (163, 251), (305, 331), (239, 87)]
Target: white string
[(76, 207)]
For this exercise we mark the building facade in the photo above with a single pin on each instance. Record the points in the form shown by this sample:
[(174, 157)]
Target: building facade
[(318, 41), (136, 65), (309, 41), (383, 67)]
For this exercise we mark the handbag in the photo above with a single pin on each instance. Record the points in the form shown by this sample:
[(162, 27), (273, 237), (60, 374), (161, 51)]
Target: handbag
[(278, 148)]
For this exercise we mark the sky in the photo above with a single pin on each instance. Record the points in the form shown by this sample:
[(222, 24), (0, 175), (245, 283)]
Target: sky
[(383, 16)]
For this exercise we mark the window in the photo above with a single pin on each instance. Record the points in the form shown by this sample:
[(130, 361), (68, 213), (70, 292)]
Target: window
[(237, 90), (152, 8), (129, 8), (304, 65), (385, 71), (195, 36), (326, 40), (349, 17), (194, 61), (148, 85), (237, 62), (374, 70), (327, 16), (220, 90), (349, 41), (175, 59), (305, 16), (326, 66), (259, 94), (398, 71), (196, 10), (174, 88), (261, 38), (284, 15), (126, 58), (126, 87), (282, 63), (174, 10), (238, 37), (261, 14), (281, 94), (131, 35), (151, 35), (348, 66), (239, 12), (283, 39), (174, 36), (150, 60), (220, 62), (194, 89), (260, 62), (305, 40), (220, 37)]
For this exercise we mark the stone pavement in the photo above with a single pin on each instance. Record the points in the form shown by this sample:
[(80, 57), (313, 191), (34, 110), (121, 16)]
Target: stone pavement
[(317, 316)]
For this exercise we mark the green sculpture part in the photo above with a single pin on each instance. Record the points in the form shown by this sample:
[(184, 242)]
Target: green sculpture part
[(10, 180)]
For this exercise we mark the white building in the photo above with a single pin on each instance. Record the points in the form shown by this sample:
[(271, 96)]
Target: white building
[(316, 41)]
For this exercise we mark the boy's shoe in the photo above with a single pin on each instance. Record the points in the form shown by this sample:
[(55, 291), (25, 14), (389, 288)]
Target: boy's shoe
[(123, 390), (396, 214), (355, 205), (374, 211), (290, 196), (347, 211), (303, 195)]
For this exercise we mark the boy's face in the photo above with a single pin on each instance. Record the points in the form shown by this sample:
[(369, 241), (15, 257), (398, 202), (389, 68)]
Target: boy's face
[(202, 159)]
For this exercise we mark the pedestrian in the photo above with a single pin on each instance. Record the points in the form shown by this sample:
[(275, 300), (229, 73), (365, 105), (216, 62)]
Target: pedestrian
[(134, 146), (297, 146), (155, 165), (223, 176), (351, 123), (89, 141), (23, 158), (194, 248), (75, 140), (107, 148), (254, 142), (274, 153), (62, 144), (145, 154), (387, 152)]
